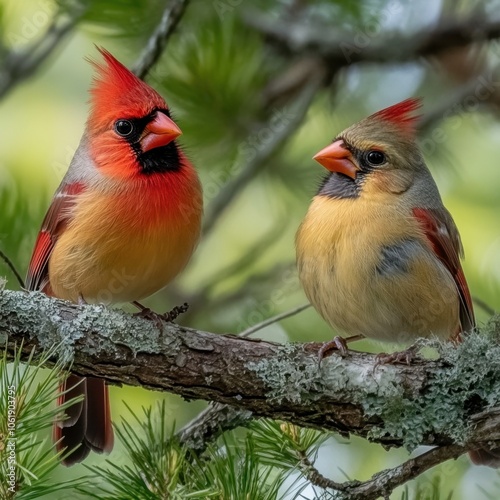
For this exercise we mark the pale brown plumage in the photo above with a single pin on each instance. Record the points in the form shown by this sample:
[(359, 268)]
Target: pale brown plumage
[(378, 254), (364, 258), (354, 290)]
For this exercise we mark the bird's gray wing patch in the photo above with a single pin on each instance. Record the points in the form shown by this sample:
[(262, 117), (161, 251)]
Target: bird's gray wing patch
[(396, 259)]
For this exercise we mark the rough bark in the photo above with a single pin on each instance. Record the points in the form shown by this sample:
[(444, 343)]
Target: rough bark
[(429, 402)]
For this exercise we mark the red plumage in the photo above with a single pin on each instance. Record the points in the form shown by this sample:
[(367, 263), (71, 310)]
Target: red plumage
[(53, 224), (401, 114), (122, 224), (116, 84), (448, 251)]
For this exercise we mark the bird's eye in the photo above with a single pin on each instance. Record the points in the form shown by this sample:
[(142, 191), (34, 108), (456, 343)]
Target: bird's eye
[(375, 157), (124, 127)]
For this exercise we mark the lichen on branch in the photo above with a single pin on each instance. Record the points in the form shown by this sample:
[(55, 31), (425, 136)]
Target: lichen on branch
[(436, 402)]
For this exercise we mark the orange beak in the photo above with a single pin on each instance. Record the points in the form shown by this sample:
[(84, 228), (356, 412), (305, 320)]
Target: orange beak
[(337, 158), (161, 131)]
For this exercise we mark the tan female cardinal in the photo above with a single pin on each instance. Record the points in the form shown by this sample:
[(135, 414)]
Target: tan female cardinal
[(378, 253), (124, 221)]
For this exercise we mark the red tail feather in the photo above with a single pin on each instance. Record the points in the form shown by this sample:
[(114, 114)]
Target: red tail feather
[(88, 426)]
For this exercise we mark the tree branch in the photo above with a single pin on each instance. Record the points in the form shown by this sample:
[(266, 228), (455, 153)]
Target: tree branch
[(383, 483), (20, 65), (438, 399), (358, 46), (158, 40), (210, 424), (218, 418)]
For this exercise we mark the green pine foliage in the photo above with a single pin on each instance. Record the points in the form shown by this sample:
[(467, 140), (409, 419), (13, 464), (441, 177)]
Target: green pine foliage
[(430, 489), (216, 74), (237, 467), (154, 465), (27, 408), (17, 226), (283, 445), (200, 82)]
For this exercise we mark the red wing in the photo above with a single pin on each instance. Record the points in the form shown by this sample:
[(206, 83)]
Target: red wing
[(445, 241), (53, 225)]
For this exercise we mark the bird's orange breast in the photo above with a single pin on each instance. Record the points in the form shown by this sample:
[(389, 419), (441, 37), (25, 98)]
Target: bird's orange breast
[(124, 245)]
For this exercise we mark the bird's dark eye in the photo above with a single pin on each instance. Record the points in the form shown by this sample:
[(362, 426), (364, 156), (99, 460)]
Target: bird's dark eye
[(375, 157), (124, 127)]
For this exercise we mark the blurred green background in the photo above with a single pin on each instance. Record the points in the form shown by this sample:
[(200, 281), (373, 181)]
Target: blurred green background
[(233, 91)]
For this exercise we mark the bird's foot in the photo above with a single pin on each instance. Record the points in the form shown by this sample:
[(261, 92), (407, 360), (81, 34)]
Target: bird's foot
[(337, 343), (147, 313), (157, 318), (396, 358), (175, 312)]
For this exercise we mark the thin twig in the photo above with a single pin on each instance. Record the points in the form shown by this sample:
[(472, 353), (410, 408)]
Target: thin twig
[(483, 305), (158, 40), (273, 319), (20, 65), (314, 476), (383, 483), (256, 162), (12, 267), (211, 423)]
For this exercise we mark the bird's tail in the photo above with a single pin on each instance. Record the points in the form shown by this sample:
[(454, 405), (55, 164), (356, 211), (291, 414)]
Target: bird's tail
[(87, 426)]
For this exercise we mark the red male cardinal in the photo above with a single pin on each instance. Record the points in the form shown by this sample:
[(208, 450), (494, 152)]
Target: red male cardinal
[(378, 253), (124, 221)]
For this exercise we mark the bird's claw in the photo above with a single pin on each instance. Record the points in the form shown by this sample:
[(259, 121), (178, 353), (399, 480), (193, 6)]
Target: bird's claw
[(338, 343), (81, 300), (157, 318), (396, 358), (150, 315)]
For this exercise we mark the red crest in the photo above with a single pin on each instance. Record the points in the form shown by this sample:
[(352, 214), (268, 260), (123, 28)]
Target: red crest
[(401, 114), (117, 93)]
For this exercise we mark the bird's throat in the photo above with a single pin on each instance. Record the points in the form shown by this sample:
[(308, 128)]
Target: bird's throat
[(336, 185), (159, 160)]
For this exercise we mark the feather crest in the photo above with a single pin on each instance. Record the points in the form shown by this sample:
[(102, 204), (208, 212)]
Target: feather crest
[(117, 93), (401, 114)]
